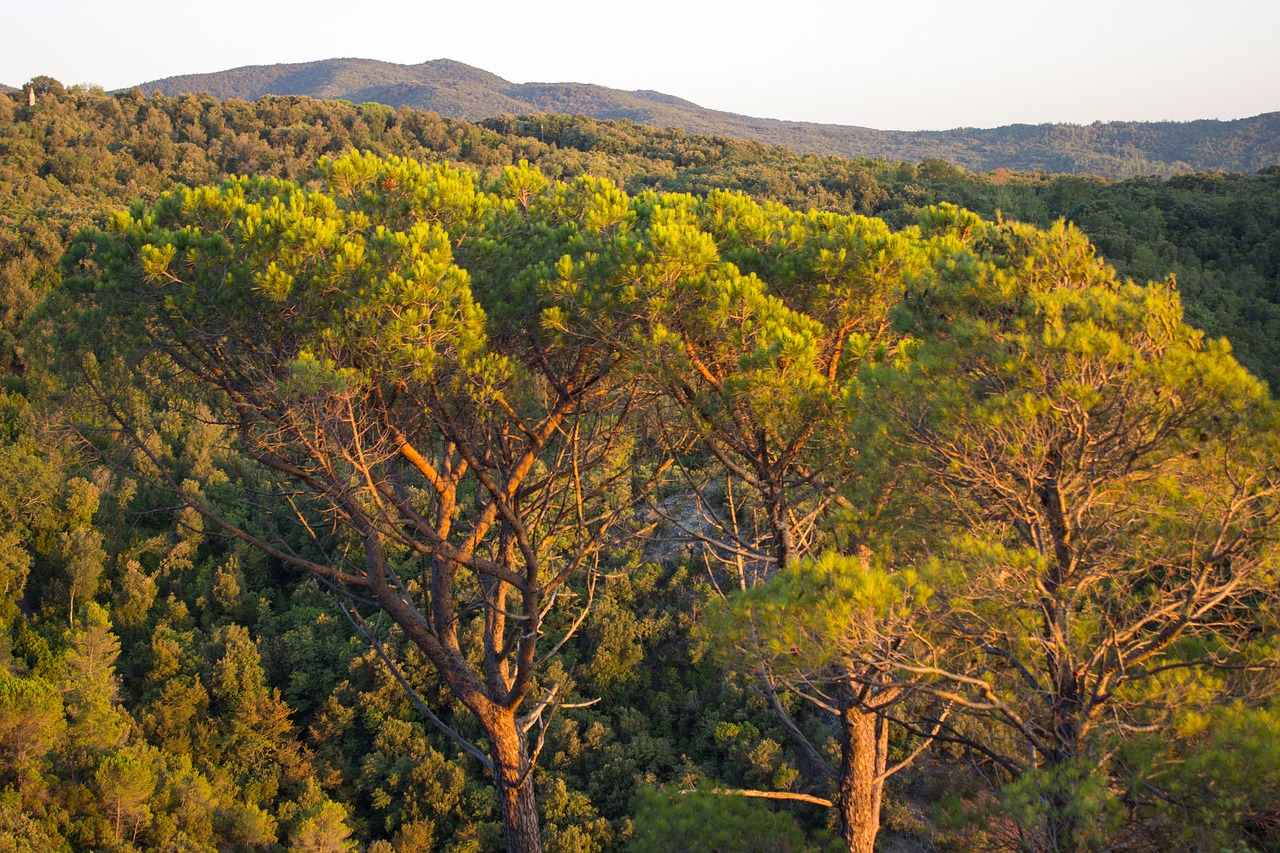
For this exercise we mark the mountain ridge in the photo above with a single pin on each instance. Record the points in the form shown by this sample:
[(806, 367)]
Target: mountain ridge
[(456, 90)]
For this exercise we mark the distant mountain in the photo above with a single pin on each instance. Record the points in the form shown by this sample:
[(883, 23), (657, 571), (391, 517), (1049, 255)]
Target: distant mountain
[(1113, 149), (7, 90)]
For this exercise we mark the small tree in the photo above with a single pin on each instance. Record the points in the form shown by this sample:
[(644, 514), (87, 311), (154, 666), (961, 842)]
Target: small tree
[(823, 628), (126, 781)]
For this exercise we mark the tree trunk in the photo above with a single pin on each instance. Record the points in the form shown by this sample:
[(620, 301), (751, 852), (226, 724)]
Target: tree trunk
[(511, 769), (784, 542), (864, 739), (1063, 823), (813, 763)]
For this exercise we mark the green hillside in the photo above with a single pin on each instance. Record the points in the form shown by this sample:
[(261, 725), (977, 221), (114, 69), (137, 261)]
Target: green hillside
[(375, 480), (455, 90)]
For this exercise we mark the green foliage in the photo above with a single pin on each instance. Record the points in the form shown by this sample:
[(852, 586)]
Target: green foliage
[(1213, 231), (1213, 781), (22, 832), (1071, 794), (711, 823), (125, 782), (818, 613), (320, 827), (1109, 476), (32, 723), (164, 688)]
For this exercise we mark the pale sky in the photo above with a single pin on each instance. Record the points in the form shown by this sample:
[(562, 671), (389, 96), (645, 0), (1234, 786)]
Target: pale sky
[(927, 64)]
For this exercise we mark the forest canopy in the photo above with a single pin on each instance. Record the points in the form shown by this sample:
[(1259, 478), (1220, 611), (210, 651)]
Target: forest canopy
[(373, 501)]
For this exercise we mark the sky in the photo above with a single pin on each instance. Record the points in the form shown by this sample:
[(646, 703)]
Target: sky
[(910, 65)]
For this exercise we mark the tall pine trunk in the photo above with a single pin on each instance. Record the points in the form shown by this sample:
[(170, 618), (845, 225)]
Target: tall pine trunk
[(863, 750), (511, 770)]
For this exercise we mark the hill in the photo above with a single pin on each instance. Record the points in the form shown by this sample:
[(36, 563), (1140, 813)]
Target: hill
[(456, 90)]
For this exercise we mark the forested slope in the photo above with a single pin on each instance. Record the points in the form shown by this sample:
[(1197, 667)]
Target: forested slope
[(452, 89), (166, 685)]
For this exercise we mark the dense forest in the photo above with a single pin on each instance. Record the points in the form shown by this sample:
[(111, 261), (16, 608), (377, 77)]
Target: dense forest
[(569, 485), (1113, 149)]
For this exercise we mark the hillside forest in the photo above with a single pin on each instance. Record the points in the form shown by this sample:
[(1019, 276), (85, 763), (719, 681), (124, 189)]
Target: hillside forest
[(456, 90), (378, 481)]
